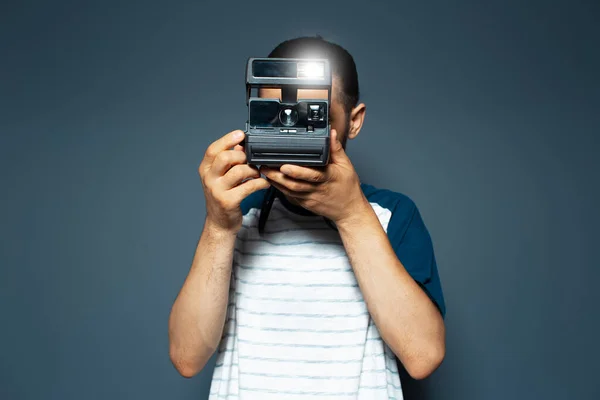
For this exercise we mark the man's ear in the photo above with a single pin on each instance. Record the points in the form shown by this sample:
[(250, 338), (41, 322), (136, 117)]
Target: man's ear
[(357, 118)]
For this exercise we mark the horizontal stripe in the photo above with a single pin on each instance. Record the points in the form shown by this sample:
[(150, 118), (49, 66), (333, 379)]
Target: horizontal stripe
[(285, 230), (319, 377), (388, 384), (345, 361), (346, 281), (297, 243), (332, 285), (377, 366), (301, 330), (229, 320), (229, 344), (295, 300), (292, 269), (226, 346), (303, 315), (310, 377), (303, 393), (315, 346), (311, 393), (230, 379), (299, 256)]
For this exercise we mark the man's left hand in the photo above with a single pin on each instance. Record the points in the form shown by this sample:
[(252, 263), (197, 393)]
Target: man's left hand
[(332, 191)]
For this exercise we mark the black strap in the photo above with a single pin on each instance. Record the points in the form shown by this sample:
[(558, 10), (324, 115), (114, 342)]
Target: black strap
[(266, 208), (267, 204)]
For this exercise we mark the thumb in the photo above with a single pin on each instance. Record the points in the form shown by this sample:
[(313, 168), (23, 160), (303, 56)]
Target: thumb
[(337, 150)]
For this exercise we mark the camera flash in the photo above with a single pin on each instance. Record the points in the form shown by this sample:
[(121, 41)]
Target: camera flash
[(311, 70)]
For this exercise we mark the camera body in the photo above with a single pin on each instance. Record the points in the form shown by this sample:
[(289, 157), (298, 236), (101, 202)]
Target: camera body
[(287, 130)]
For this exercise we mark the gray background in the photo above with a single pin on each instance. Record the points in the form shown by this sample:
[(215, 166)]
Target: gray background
[(484, 113)]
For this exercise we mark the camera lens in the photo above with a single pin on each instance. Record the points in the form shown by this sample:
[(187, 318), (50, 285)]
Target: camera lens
[(288, 116)]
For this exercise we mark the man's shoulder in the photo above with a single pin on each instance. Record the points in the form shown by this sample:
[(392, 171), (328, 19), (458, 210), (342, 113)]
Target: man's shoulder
[(395, 202)]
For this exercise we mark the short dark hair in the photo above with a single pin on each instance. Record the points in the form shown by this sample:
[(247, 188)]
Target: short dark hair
[(342, 63)]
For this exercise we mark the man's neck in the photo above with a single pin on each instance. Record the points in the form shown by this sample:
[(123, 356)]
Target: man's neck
[(292, 205)]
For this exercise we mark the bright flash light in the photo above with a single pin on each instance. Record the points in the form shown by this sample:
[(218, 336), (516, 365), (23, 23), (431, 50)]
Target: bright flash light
[(311, 70)]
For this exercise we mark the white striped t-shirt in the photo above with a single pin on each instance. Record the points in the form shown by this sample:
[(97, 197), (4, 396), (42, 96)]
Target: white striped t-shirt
[(297, 326)]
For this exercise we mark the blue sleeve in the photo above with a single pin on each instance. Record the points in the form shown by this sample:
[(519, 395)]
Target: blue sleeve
[(414, 248), (254, 200)]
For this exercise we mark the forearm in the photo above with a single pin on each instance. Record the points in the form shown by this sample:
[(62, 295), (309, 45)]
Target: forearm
[(198, 314), (407, 319)]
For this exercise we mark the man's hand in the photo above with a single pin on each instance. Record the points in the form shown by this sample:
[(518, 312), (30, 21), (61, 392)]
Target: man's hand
[(227, 180), (333, 191)]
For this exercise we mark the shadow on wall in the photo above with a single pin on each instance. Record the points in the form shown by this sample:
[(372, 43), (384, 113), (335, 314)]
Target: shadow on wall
[(450, 380), (413, 389)]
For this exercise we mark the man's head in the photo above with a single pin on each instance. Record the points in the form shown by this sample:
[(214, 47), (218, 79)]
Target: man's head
[(346, 114)]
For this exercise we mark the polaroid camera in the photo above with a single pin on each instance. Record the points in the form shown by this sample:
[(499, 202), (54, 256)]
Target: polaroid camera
[(287, 130)]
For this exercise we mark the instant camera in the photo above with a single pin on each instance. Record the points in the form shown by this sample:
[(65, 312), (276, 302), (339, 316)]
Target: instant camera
[(287, 130)]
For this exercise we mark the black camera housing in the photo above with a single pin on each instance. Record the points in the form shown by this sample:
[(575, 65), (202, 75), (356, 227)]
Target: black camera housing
[(287, 130)]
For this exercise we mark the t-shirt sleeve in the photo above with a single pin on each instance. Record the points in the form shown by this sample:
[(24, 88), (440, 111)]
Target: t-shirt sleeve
[(413, 246)]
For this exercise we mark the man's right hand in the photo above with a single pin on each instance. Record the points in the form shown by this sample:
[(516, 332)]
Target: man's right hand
[(227, 180)]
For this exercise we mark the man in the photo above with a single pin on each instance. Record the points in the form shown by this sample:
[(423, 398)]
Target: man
[(342, 283)]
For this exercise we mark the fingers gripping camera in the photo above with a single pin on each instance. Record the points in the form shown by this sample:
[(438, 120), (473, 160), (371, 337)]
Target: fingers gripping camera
[(287, 130)]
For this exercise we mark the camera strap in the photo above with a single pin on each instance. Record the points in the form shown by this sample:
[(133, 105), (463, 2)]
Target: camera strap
[(267, 204), (266, 208)]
